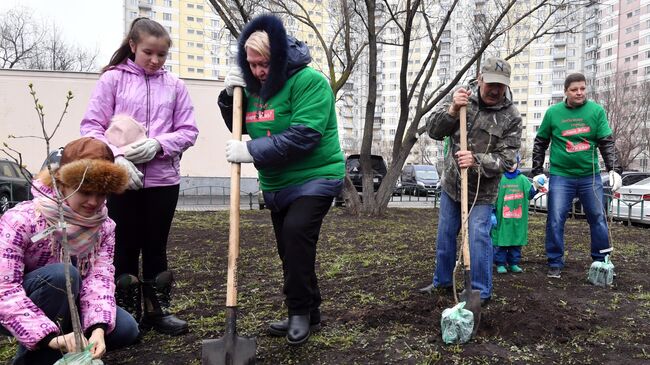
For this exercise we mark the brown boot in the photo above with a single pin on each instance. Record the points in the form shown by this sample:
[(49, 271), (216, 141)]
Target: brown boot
[(157, 295)]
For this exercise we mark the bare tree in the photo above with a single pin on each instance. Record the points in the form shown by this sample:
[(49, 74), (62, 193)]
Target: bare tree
[(20, 37), (26, 44), (627, 104)]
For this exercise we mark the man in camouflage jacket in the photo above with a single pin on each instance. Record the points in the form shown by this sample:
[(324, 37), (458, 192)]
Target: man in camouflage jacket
[(494, 137)]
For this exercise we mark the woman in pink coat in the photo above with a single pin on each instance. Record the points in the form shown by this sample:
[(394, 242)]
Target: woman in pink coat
[(136, 86), (33, 300)]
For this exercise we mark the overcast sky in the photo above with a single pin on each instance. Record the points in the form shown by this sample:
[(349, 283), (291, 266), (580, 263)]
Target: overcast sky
[(93, 24)]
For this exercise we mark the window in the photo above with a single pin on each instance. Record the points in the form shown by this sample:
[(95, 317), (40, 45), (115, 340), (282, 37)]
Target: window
[(168, 3), (199, 32), (214, 23), (537, 115), (167, 16), (199, 7), (190, 6), (199, 20), (199, 45), (190, 57), (199, 70), (190, 18), (608, 52), (537, 103), (190, 31), (199, 58), (539, 65), (190, 69)]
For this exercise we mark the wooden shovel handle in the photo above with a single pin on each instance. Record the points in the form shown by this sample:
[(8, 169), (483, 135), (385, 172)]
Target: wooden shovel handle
[(464, 201), (235, 174)]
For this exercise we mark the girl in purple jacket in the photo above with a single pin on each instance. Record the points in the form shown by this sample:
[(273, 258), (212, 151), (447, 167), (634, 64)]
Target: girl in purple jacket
[(33, 300), (134, 84)]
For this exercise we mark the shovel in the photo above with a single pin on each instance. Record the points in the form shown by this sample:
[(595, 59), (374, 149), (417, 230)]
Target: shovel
[(471, 297), (232, 349)]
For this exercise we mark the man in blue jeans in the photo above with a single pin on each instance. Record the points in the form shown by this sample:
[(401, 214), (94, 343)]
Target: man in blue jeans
[(494, 137), (575, 128)]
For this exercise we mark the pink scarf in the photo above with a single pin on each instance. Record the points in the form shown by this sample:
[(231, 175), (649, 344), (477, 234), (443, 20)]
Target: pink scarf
[(82, 232)]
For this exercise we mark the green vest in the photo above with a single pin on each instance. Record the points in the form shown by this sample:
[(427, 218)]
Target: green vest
[(512, 212), (574, 135), (306, 99)]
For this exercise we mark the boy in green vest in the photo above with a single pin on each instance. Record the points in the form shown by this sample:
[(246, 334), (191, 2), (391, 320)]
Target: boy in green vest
[(511, 230)]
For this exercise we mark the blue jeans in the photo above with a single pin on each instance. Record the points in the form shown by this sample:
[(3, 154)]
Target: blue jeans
[(510, 255), (45, 286), (480, 245), (562, 190)]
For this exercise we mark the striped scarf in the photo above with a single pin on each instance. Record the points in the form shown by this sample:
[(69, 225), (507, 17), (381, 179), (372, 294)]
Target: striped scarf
[(82, 232)]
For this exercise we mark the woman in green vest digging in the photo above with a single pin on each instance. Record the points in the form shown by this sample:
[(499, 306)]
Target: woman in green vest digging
[(289, 114)]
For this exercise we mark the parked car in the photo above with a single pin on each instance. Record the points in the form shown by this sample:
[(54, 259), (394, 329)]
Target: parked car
[(14, 184), (627, 177), (353, 168), (419, 179), (632, 202), (354, 172)]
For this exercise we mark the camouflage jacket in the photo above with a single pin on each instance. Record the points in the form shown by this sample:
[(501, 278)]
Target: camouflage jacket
[(494, 137)]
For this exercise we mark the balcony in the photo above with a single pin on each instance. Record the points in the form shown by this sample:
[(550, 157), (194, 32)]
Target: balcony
[(144, 5)]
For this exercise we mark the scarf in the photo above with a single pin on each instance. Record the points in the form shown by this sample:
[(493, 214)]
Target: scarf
[(82, 232)]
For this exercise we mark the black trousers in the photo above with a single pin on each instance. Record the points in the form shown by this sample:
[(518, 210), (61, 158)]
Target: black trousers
[(297, 228), (143, 219)]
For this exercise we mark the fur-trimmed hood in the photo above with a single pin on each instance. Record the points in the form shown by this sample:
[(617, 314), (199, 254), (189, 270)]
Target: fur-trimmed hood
[(98, 176), (288, 56)]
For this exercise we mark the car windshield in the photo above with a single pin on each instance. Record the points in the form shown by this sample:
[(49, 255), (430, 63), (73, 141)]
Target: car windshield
[(427, 174)]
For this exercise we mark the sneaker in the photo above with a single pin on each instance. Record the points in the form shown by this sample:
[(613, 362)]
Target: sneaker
[(501, 269), (516, 269), (554, 272)]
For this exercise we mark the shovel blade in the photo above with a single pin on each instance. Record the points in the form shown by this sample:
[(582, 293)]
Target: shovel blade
[(229, 350), (472, 299)]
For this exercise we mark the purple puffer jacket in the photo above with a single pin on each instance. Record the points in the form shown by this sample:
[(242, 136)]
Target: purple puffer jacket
[(19, 256), (159, 101)]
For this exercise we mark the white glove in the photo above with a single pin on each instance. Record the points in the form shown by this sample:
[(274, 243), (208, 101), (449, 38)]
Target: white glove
[(234, 78), (540, 182), (143, 152), (135, 176), (237, 151), (615, 180)]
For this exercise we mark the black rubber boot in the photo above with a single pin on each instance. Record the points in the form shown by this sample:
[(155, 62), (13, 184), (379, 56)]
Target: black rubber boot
[(280, 328), (157, 295), (128, 295), (298, 331)]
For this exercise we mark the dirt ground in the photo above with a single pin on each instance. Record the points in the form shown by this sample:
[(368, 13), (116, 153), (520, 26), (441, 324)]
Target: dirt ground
[(369, 271)]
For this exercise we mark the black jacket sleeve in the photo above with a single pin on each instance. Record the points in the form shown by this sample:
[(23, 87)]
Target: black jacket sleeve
[(280, 149), (225, 105), (607, 149), (539, 154)]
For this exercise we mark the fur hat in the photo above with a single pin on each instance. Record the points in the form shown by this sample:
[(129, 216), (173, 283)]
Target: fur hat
[(87, 163), (124, 131)]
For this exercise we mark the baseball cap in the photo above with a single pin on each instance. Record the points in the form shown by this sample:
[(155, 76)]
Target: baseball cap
[(496, 70)]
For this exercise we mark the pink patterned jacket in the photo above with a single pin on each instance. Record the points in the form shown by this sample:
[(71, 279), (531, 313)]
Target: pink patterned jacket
[(19, 255)]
